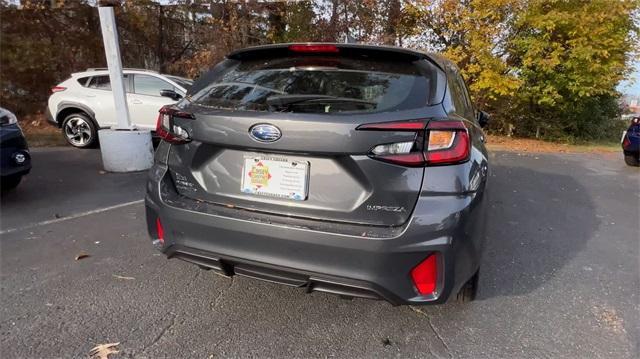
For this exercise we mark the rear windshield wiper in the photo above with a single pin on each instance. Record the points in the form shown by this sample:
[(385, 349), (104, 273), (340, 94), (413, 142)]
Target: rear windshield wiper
[(286, 100)]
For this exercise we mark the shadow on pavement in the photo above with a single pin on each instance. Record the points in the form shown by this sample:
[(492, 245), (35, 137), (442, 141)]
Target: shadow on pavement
[(538, 221)]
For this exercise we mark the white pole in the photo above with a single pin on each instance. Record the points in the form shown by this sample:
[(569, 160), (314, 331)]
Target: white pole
[(129, 150), (112, 51)]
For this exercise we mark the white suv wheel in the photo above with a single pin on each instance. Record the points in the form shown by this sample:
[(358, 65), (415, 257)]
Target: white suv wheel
[(78, 131)]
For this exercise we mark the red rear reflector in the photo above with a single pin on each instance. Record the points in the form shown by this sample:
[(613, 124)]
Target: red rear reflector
[(160, 230), (393, 126), (310, 48), (57, 89), (425, 275)]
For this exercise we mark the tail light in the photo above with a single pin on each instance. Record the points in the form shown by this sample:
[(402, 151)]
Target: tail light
[(57, 89), (166, 128), (425, 275), (448, 142), (440, 142)]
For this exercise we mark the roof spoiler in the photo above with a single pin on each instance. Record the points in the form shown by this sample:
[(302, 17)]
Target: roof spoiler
[(342, 49)]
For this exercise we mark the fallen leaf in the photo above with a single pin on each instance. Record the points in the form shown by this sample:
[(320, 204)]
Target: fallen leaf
[(121, 277), (608, 318), (82, 255), (102, 351)]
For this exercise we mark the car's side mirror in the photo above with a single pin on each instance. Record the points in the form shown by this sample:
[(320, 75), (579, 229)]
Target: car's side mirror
[(170, 94), (483, 118)]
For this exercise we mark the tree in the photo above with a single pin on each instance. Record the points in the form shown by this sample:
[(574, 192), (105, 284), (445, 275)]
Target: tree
[(570, 56), (473, 34)]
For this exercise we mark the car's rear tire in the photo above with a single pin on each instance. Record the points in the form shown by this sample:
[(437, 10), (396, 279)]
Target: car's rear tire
[(10, 182), (80, 130), (469, 290), (632, 160)]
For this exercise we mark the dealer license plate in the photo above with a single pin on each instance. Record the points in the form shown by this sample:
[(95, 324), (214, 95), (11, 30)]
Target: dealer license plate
[(275, 177)]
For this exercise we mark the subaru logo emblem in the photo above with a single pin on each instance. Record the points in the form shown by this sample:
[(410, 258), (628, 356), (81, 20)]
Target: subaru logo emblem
[(264, 132)]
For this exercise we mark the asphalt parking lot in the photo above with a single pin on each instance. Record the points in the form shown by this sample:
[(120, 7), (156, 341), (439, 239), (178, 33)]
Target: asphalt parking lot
[(560, 276)]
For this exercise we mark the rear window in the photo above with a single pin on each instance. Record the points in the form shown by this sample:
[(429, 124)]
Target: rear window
[(318, 85)]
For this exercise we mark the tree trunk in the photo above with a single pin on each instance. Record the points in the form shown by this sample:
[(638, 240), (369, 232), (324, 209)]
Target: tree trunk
[(161, 61), (334, 21), (393, 19)]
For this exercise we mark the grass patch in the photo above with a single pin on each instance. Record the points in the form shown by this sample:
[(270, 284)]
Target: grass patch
[(40, 133), (46, 138)]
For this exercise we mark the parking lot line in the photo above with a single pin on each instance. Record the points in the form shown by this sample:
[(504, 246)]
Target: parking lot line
[(73, 216)]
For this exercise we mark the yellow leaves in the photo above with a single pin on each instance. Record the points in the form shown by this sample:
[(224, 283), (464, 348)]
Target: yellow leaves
[(494, 84), (477, 36)]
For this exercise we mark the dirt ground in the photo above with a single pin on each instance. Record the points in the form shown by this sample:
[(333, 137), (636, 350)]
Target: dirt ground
[(512, 144)]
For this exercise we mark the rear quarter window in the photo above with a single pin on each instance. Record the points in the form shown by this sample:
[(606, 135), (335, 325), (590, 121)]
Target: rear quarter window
[(102, 82), (83, 81), (459, 96), (318, 85)]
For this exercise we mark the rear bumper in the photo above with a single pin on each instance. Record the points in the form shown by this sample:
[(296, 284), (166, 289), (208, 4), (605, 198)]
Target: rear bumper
[(632, 145), (50, 117), (352, 260), (308, 281)]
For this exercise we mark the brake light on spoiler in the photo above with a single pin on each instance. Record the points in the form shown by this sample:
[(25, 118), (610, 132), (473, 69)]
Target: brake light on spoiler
[(314, 48), (439, 142)]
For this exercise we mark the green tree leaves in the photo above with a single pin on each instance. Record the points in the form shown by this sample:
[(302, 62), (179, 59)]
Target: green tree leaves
[(571, 55)]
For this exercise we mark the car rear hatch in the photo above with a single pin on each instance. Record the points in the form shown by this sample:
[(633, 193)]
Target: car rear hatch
[(277, 132)]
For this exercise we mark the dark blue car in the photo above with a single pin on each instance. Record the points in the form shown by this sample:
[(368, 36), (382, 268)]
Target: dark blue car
[(631, 143), (15, 160)]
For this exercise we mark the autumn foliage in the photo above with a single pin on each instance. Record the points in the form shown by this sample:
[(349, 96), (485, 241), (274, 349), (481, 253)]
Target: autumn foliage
[(541, 67)]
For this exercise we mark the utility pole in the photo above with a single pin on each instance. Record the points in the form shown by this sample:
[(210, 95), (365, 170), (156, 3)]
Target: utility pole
[(112, 52), (123, 147)]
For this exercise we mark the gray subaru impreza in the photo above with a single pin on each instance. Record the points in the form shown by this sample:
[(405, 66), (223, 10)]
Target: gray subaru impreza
[(349, 169)]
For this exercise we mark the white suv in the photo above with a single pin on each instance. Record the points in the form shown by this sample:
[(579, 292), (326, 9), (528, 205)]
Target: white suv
[(83, 104)]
